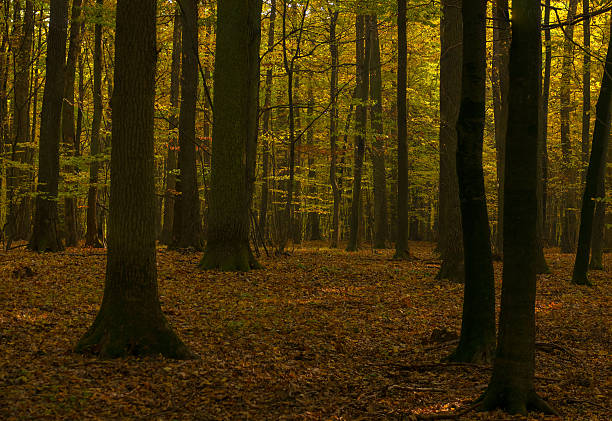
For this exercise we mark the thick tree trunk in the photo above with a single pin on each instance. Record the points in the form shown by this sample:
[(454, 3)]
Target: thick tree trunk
[(45, 236), (19, 214), (381, 223), (91, 237), (568, 231), (333, 131), (362, 54), (477, 341), (543, 163), (236, 87), (586, 86), (187, 225), (595, 172), (511, 386), (130, 320), (450, 241), (401, 244), (267, 127), (175, 74), (68, 130)]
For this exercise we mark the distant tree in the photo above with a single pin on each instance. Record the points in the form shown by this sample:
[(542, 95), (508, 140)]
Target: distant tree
[(450, 241), (236, 87), (130, 320), (45, 235), (477, 341), (333, 127), (511, 386), (91, 237), (401, 243), (187, 225), (595, 172)]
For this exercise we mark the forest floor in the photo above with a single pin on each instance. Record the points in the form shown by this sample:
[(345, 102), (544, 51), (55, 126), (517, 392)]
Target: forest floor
[(319, 334)]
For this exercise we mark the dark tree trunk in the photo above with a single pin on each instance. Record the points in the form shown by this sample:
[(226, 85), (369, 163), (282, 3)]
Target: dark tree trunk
[(68, 130), (187, 225), (314, 226), (267, 127), (450, 241), (175, 74), (511, 386), (333, 130), (568, 231), (381, 223), (361, 120), (595, 172), (91, 237), (586, 86), (19, 214), (45, 236), (477, 341), (130, 320), (236, 87), (501, 49), (543, 162), (401, 244)]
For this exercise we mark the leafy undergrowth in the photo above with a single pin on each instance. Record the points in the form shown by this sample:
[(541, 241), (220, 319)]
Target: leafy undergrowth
[(320, 334)]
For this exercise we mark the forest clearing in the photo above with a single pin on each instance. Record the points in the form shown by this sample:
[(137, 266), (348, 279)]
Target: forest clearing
[(321, 334)]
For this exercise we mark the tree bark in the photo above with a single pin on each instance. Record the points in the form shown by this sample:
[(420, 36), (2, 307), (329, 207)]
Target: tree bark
[(314, 226), (187, 225), (511, 386), (45, 236), (477, 341), (91, 237), (333, 129), (236, 88), (450, 241), (595, 172), (130, 320), (401, 245)]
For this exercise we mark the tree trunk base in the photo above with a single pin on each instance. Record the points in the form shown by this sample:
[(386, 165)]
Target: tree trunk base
[(475, 353), (401, 255), (596, 262), (111, 337), (451, 270), (42, 242), (229, 258), (512, 401), (581, 279)]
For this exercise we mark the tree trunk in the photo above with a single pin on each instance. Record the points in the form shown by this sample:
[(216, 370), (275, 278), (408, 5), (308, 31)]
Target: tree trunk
[(333, 130), (477, 341), (68, 131), (401, 244), (267, 126), (586, 86), (187, 225), (19, 214), (130, 320), (595, 172), (175, 74), (381, 223), (511, 386), (543, 180), (45, 236), (450, 241), (568, 232), (91, 238), (314, 226), (236, 87), (501, 49), (361, 113)]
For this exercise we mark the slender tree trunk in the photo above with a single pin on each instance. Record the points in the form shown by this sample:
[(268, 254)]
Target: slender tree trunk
[(68, 130), (236, 87), (361, 113), (381, 223), (175, 74), (91, 237), (401, 244), (501, 51), (595, 172), (477, 341), (586, 86), (511, 386), (568, 232), (130, 320), (543, 180), (450, 238), (45, 236), (333, 130), (187, 225), (314, 226), (267, 126)]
